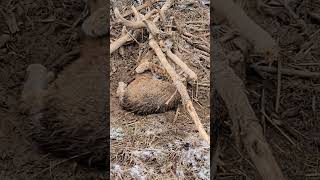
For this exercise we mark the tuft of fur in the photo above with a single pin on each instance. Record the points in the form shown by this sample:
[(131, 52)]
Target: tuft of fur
[(147, 95)]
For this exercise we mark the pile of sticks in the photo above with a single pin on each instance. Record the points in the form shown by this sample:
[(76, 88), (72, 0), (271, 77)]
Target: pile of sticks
[(162, 48)]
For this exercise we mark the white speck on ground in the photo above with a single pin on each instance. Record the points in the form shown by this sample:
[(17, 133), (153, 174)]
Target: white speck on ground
[(197, 156), (146, 154), (116, 168), (116, 133), (137, 172)]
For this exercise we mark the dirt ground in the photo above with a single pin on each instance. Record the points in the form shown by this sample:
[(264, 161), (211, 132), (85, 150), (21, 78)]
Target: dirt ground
[(164, 145), (293, 131), (45, 32)]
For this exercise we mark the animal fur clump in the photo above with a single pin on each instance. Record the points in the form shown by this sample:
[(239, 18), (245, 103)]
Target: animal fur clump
[(147, 95), (72, 122)]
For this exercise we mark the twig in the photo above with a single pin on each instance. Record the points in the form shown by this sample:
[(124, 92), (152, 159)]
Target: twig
[(146, 4), (136, 24), (164, 8), (119, 42), (278, 128), (180, 63), (133, 24), (58, 163), (278, 87), (285, 71), (199, 46)]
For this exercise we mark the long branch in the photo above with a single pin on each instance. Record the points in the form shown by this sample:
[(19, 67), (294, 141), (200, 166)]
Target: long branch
[(186, 100)]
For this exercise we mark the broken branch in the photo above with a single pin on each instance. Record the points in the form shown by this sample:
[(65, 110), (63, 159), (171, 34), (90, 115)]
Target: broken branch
[(180, 63), (186, 100)]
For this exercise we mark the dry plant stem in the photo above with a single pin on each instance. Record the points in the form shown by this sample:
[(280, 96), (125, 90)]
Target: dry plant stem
[(136, 24), (136, 13), (261, 40), (278, 87), (199, 46), (164, 8), (180, 63), (180, 87), (152, 27), (285, 71), (146, 4), (230, 87), (119, 42)]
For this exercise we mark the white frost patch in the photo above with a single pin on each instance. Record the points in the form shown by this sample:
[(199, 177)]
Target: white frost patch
[(195, 155), (137, 172), (146, 154), (116, 133), (115, 168)]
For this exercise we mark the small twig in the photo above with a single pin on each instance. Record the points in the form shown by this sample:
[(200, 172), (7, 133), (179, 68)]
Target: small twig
[(263, 110), (285, 71), (145, 5), (180, 63), (171, 97), (199, 46), (278, 128), (164, 8), (133, 24), (136, 24), (176, 115), (278, 87), (59, 163), (119, 42)]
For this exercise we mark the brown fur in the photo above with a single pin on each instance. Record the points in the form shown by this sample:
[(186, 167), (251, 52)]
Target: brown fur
[(146, 95), (73, 122)]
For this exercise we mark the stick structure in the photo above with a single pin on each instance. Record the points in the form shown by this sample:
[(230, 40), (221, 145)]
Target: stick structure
[(186, 100)]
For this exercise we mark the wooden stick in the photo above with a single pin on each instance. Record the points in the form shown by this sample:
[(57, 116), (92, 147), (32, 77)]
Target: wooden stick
[(180, 63), (186, 100), (286, 71), (136, 24), (277, 105), (146, 4), (164, 8), (119, 42), (231, 88)]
